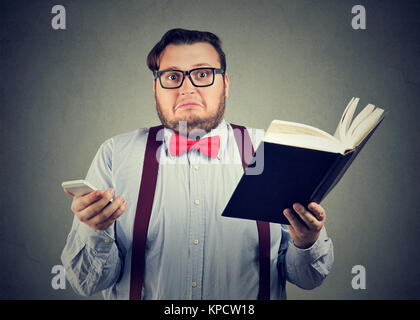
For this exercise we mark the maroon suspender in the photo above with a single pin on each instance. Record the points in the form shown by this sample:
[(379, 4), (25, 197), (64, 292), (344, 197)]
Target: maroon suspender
[(144, 210), (262, 226)]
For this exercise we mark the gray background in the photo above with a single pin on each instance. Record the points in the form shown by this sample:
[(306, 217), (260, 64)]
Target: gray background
[(64, 92)]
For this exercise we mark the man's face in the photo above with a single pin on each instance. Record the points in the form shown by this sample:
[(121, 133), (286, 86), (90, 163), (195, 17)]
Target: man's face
[(208, 106)]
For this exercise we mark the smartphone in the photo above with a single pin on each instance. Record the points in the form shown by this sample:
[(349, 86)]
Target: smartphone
[(79, 187)]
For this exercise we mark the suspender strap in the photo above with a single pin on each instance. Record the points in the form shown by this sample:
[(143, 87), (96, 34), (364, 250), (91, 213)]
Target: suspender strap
[(245, 144), (143, 212)]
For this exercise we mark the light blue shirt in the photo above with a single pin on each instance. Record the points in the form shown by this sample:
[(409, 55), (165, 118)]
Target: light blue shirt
[(192, 252)]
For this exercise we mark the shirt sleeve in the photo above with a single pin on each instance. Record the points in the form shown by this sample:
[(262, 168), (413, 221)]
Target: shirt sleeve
[(91, 257), (306, 268)]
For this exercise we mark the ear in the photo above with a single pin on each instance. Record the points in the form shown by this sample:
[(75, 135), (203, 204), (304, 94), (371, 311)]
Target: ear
[(226, 85)]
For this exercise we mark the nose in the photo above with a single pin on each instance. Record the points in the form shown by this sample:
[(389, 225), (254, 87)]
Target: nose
[(187, 86)]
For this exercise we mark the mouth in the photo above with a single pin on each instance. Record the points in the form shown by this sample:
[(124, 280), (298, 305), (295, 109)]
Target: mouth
[(189, 105)]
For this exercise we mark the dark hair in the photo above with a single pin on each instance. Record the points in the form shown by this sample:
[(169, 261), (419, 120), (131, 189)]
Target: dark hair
[(182, 36)]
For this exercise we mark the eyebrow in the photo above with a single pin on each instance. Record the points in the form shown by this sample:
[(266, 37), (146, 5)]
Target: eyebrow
[(194, 65)]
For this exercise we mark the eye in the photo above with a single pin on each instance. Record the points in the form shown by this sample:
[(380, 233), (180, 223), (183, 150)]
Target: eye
[(172, 76), (203, 74)]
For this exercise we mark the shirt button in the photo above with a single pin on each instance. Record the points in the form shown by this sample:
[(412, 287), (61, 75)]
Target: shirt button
[(194, 284), (195, 167), (197, 202), (195, 241)]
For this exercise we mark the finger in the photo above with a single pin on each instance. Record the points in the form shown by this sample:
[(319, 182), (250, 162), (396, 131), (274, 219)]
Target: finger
[(96, 207), (68, 192), (107, 212), (292, 230), (311, 222), (296, 224), (108, 222), (317, 210), (82, 202)]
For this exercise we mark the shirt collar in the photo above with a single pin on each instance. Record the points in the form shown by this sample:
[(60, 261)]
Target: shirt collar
[(221, 130)]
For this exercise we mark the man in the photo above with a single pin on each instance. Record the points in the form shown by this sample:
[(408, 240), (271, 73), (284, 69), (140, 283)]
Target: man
[(190, 251)]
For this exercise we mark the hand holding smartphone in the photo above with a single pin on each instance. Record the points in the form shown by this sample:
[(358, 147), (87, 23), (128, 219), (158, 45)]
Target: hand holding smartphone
[(92, 206)]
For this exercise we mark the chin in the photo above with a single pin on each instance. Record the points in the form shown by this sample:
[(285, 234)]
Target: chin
[(190, 118), (192, 122)]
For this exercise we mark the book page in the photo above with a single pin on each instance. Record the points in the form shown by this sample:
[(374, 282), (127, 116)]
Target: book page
[(305, 141), (338, 129), (288, 127), (340, 132), (301, 135), (360, 117), (361, 131)]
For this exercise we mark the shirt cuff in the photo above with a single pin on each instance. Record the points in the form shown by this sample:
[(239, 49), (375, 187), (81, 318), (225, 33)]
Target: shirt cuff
[(311, 254), (98, 240)]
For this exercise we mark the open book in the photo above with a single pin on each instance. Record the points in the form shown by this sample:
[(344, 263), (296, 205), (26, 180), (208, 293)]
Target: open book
[(301, 164)]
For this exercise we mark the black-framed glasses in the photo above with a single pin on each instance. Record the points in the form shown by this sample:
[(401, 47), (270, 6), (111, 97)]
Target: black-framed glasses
[(200, 77)]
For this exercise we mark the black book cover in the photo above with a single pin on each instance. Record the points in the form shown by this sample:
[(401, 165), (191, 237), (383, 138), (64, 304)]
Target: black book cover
[(291, 174)]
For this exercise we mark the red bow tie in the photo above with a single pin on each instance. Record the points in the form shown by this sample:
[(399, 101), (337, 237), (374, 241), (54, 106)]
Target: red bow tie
[(180, 144)]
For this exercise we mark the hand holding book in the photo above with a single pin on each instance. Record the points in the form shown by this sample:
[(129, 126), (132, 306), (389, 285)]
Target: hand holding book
[(305, 225)]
